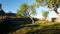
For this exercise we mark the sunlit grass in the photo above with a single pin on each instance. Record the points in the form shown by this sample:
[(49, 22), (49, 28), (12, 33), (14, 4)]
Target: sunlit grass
[(40, 27)]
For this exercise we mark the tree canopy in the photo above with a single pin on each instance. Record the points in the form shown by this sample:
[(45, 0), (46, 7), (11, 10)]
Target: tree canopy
[(53, 4), (26, 10)]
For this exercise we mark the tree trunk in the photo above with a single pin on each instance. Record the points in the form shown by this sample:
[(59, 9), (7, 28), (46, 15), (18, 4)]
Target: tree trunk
[(55, 9), (45, 18), (58, 18), (32, 19)]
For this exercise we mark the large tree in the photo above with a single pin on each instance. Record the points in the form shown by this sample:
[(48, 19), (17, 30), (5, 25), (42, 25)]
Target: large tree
[(26, 11), (53, 4)]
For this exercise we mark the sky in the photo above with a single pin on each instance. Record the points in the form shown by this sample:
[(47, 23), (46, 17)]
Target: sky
[(13, 5)]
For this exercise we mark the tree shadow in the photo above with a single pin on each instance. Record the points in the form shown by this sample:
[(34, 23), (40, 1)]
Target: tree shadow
[(52, 29), (13, 24)]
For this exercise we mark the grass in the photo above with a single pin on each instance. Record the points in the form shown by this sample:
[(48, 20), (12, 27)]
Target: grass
[(40, 27)]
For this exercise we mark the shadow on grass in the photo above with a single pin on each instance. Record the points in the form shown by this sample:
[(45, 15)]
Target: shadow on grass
[(52, 29), (13, 24)]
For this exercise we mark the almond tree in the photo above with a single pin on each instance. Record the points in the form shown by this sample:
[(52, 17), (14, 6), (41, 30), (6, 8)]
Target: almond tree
[(26, 11)]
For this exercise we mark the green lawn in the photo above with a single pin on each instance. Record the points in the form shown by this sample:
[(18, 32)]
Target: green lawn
[(40, 27)]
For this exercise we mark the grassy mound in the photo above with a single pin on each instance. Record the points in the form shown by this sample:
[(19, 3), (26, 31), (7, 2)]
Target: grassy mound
[(40, 27)]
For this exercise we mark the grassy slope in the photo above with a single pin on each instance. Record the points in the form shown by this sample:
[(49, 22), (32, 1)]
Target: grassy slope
[(40, 27)]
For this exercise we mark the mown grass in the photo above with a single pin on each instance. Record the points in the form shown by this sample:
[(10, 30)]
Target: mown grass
[(40, 27)]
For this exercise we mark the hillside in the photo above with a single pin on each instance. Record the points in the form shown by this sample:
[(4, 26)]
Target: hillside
[(11, 26)]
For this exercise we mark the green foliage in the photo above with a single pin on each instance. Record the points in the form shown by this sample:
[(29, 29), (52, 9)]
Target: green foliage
[(32, 9), (22, 11), (45, 14), (58, 5), (24, 6), (26, 10), (48, 2)]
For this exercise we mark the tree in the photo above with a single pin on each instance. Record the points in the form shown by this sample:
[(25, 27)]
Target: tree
[(45, 14), (53, 4), (27, 11)]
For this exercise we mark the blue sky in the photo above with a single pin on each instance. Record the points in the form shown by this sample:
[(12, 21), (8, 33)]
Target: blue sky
[(13, 5)]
